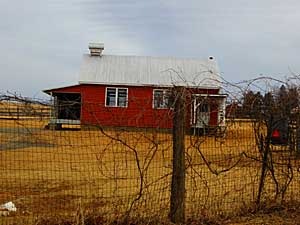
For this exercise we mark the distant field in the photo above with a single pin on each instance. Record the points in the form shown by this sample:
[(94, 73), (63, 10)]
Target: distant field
[(59, 172), (23, 111)]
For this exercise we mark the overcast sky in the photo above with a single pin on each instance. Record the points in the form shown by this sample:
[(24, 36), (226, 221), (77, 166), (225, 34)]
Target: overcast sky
[(42, 42)]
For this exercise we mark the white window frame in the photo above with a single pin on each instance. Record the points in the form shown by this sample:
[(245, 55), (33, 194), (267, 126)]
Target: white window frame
[(166, 106), (117, 94)]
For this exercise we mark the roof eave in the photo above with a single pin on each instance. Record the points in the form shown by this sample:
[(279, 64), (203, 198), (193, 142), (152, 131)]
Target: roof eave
[(49, 91), (146, 85)]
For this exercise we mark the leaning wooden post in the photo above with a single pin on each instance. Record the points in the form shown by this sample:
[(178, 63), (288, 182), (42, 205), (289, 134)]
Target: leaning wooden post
[(177, 207)]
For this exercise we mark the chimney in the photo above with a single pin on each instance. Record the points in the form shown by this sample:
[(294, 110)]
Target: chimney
[(96, 49)]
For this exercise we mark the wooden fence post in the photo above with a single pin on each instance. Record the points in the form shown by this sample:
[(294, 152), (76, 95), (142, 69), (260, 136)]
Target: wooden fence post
[(177, 206), (297, 135)]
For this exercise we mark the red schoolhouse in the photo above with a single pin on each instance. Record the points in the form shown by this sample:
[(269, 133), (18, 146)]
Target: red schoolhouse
[(134, 91)]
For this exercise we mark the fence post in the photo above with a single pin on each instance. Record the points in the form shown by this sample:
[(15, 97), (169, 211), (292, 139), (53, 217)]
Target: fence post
[(177, 200), (297, 135)]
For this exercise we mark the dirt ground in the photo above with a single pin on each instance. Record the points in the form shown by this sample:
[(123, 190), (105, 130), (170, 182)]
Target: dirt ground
[(272, 216), (288, 215)]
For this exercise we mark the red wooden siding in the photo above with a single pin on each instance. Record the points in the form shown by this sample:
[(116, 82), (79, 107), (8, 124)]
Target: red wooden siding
[(139, 111)]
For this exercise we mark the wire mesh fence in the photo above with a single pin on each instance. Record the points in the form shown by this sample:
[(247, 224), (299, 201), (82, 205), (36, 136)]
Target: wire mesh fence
[(74, 171)]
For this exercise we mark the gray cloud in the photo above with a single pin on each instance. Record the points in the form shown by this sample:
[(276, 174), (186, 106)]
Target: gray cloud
[(42, 42)]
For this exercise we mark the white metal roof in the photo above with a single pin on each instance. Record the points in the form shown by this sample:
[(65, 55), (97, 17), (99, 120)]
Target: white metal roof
[(145, 70)]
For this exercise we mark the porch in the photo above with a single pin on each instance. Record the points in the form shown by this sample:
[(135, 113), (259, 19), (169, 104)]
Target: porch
[(66, 110), (208, 113)]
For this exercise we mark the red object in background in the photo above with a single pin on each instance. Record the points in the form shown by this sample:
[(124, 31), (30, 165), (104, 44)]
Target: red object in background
[(276, 134)]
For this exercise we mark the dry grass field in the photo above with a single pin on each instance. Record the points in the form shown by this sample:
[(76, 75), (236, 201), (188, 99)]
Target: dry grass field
[(74, 173)]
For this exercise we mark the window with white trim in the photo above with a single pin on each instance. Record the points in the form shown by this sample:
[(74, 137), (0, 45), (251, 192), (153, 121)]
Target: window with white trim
[(161, 99), (116, 97)]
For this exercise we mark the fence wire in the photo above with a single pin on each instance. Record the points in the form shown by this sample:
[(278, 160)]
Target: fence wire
[(77, 171)]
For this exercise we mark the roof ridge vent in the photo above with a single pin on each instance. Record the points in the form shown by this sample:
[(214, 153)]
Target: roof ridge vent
[(96, 49)]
